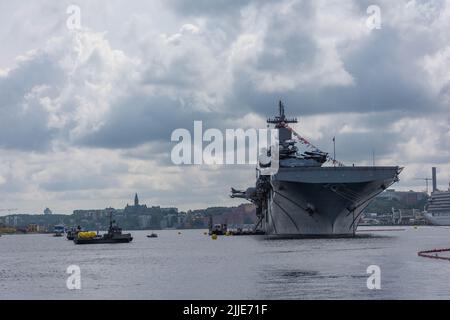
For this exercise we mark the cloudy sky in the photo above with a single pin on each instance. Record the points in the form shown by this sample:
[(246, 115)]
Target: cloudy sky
[(86, 114)]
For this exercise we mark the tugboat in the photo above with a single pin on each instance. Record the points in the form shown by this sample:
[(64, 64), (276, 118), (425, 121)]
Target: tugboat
[(114, 235), (218, 229)]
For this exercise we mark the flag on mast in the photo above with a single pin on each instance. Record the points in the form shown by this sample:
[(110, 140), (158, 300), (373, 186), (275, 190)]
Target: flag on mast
[(334, 150)]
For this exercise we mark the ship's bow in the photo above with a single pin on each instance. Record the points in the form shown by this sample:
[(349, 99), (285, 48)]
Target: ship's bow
[(323, 201)]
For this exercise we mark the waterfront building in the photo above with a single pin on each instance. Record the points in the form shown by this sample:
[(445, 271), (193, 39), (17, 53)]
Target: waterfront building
[(409, 197), (94, 214)]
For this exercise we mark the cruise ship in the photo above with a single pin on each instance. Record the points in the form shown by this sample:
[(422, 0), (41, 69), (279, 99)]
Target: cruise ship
[(437, 210)]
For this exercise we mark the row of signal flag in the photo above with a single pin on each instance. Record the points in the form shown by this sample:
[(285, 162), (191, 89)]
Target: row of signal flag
[(309, 144)]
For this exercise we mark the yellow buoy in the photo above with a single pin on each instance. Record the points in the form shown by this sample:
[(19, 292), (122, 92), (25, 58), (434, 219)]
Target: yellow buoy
[(228, 233), (214, 236)]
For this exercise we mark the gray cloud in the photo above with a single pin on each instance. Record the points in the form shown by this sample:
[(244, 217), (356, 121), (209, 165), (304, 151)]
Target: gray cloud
[(117, 96), (23, 119)]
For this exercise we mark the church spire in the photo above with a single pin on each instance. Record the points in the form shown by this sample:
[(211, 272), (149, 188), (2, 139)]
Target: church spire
[(136, 200)]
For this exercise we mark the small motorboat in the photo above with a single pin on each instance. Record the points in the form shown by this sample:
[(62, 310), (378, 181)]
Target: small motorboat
[(152, 235)]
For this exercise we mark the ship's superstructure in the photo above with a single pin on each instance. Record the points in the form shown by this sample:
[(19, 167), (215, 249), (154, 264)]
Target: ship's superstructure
[(305, 198)]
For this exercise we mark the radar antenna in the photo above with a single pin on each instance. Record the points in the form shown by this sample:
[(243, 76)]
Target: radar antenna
[(280, 121)]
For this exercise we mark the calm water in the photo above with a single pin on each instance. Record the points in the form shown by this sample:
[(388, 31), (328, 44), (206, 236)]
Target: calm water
[(192, 266)]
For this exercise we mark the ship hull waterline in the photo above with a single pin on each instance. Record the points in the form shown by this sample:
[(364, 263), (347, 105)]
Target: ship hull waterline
[(322, 202), (441, 220), (101, 241)]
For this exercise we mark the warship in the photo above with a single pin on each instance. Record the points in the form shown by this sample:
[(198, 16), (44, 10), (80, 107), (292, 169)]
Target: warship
[(306, 198)]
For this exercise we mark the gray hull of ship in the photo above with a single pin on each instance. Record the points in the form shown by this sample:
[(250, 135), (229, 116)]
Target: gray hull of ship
[(322, 201)]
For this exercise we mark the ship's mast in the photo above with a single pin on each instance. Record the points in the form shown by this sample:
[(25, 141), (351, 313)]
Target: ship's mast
[(280, 121), (286, 132)]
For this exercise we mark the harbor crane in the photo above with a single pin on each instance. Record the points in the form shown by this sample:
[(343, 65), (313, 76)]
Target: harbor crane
[(426, 181)]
